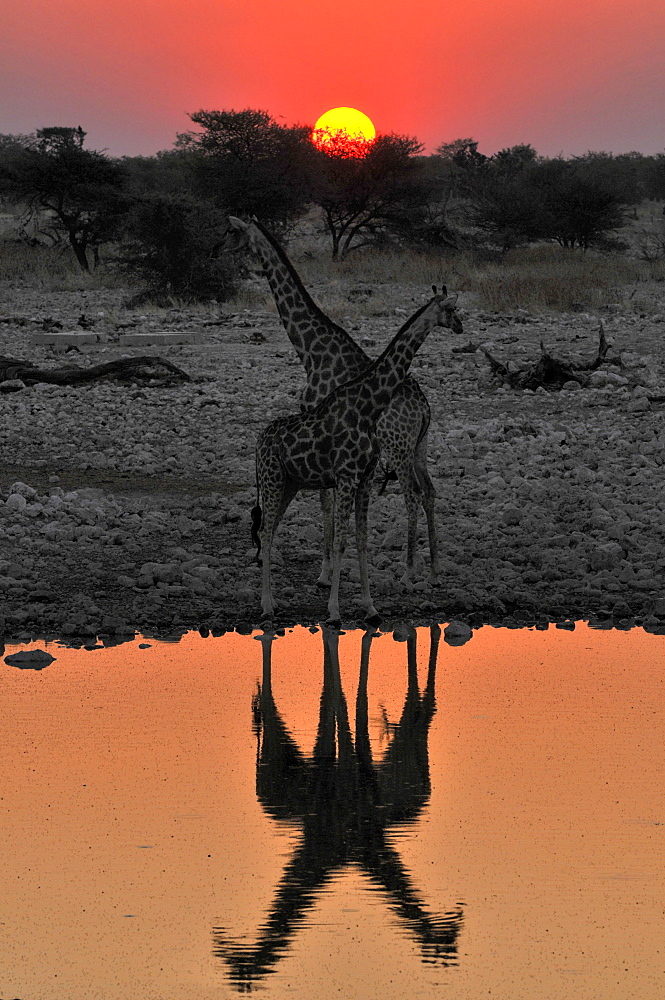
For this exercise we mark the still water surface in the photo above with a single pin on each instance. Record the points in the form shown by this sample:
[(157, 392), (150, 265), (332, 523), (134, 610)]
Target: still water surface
[(319, 816)]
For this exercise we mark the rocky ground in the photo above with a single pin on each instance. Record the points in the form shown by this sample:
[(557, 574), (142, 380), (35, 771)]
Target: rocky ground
[(126, 507)]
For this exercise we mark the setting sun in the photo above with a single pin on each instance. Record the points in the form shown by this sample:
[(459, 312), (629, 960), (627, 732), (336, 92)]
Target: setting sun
[(343, 132)]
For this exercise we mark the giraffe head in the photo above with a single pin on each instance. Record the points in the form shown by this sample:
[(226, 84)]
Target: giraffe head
[(448, 314), (239, 235)]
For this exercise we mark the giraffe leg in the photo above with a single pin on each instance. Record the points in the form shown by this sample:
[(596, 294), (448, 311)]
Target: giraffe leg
[(276, 496), (343, 502), (327, 506), (362, 505), (428, 494), (412, 501)]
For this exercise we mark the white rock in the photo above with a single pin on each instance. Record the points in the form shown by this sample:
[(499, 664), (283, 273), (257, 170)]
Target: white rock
[(16, 501), (606, 556), (23, 489)]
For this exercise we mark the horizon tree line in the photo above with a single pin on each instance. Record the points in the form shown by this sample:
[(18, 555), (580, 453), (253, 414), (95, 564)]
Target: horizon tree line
[(162, 216)]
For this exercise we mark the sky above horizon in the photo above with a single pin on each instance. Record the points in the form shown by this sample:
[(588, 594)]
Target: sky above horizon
[(563, 75)]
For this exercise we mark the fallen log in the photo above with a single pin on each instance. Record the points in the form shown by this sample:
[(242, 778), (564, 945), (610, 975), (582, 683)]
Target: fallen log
[(15, 320), (550, 372), (140, 369)]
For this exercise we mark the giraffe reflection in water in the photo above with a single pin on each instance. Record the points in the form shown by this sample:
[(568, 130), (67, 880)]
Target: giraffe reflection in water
[(345, 804)]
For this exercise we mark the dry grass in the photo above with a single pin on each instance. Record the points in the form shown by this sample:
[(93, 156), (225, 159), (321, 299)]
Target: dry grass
[(50, 268), (255, 298), (376, 283), (381, 267), (545, 278), (538, 279), (20, 262)]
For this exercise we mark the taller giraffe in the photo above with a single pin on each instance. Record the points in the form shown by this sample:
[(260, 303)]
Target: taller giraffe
[(334, 446), (332, 357)]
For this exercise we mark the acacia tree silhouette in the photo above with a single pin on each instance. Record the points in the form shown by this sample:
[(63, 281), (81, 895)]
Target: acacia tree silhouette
[(80, 190), (366, 197), (345, 805)]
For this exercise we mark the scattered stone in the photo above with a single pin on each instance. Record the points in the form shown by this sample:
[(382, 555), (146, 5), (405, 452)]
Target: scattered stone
[(16, 501), (605, 556), (543, 498)]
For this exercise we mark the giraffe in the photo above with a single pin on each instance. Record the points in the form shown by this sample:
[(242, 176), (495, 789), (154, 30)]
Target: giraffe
[(332, 357), (334, 446), (344, 804)]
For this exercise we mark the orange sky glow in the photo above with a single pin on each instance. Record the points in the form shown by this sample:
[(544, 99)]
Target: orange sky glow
[(564, 76)]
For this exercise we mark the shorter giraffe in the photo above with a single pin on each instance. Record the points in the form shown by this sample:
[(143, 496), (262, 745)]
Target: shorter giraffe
[(334, 446)]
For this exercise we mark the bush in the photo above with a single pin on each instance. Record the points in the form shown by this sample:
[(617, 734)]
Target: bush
[(171, 246)]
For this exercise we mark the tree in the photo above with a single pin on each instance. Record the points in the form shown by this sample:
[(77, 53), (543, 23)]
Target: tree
[(367, 200), (519, 199), (578, 207), (513, 160), (171, 171), (506, 211), (11, 146), (653, 176), (502, 204), (462, 153), (248, 164), (619, 174), (80, 189), (460, 165)]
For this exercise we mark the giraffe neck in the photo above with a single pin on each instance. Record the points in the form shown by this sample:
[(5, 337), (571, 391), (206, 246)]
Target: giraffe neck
[(391, 368), (321, 344)]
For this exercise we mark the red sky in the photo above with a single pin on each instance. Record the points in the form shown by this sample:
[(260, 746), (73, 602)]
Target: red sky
[(564, 75)]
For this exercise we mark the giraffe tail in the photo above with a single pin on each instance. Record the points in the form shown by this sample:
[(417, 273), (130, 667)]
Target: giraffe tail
[(389, 476), (257, 520)]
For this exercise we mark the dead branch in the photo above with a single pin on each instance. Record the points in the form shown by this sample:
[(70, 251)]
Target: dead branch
[(124, 369), (550, 372)]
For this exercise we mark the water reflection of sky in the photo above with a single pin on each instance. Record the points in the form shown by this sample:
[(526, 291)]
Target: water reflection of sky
[(318, 815)]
